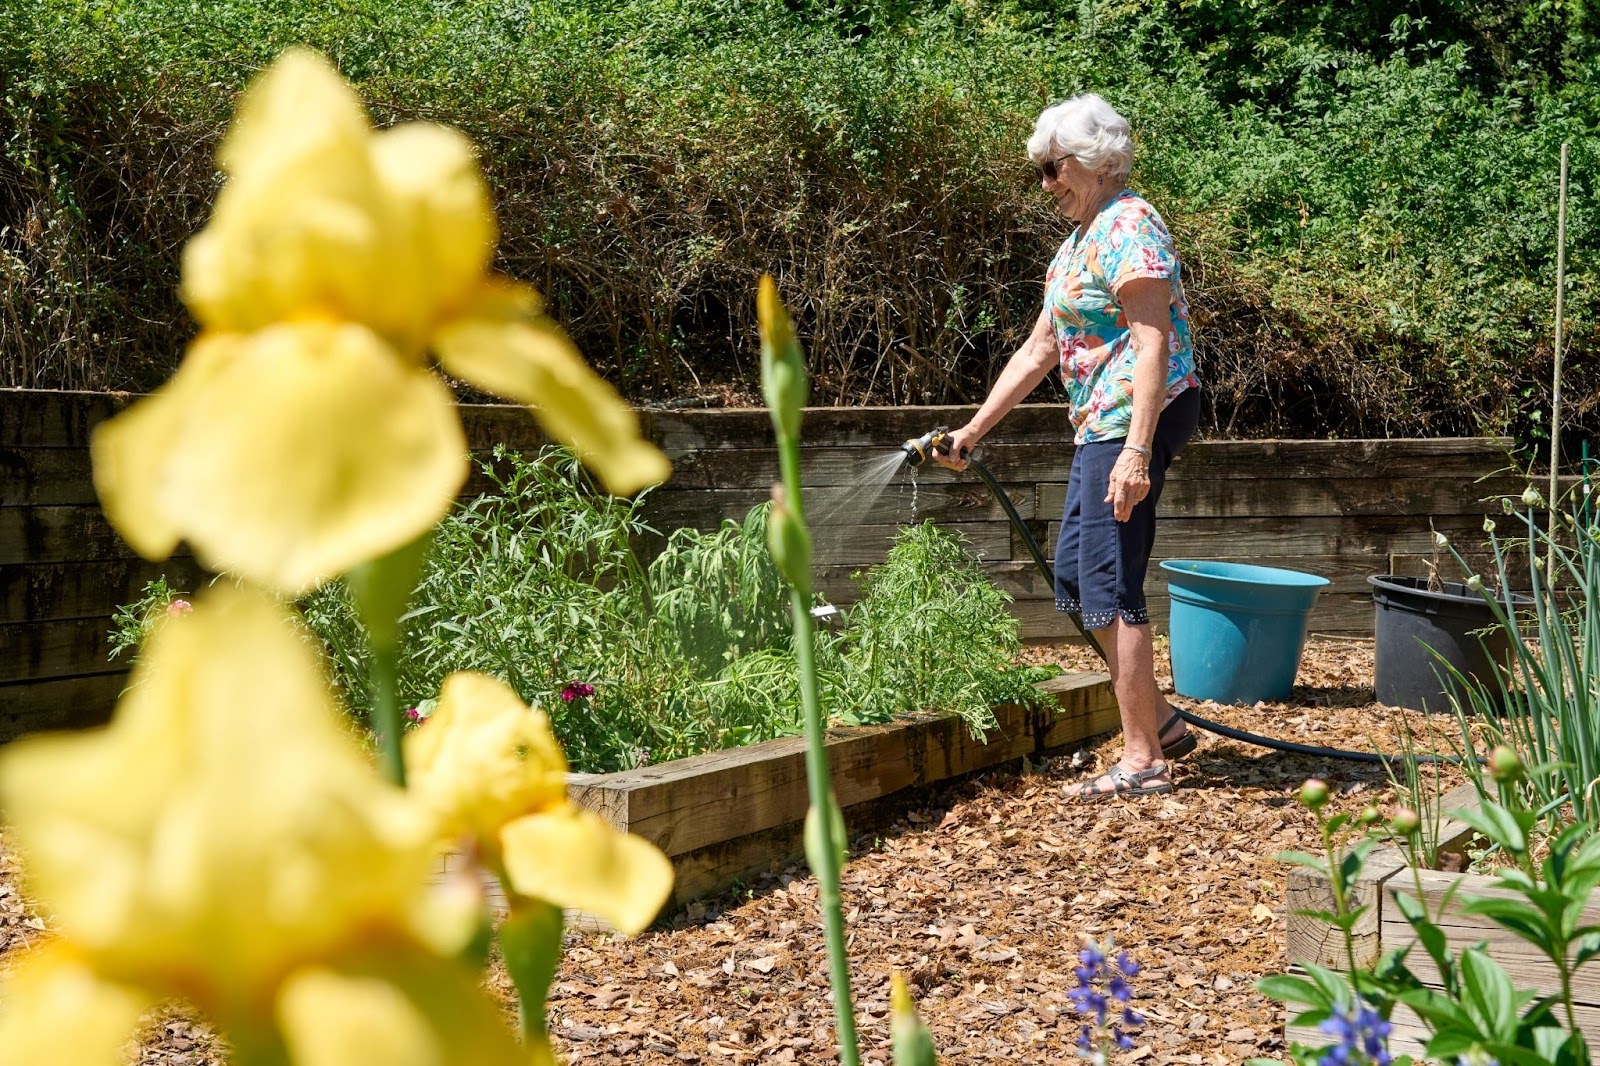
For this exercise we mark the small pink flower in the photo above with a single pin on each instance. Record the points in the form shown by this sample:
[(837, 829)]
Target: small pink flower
[(177, 607), (576, 690), (413, 714)]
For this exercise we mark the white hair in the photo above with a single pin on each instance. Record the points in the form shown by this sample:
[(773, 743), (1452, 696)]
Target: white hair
[(1088, 129)]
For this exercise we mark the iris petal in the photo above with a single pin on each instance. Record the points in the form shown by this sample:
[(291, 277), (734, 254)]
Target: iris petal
[(57, 1011), (505, 345), (309, 450), (570, 857)]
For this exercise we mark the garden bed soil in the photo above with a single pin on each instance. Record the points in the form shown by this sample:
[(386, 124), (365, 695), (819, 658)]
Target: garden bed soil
[(980, 894)]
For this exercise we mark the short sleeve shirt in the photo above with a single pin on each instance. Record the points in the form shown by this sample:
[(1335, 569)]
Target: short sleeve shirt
[(1126, 240)]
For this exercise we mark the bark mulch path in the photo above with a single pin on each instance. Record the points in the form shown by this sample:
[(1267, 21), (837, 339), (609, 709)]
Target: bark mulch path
[(982, 897)]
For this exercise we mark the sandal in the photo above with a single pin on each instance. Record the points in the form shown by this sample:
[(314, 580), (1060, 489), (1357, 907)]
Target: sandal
[(1123, 783), (1182, 743)]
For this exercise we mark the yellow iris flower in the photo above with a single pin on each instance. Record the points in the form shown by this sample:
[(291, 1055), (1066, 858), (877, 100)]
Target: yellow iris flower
[(225, 841), (487, 764), (304, 433)]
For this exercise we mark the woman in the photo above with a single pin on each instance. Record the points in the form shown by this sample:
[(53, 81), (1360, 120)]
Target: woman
[(1116, 324)]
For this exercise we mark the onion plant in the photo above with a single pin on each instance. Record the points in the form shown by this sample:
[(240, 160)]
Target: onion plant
[(1545, 704)]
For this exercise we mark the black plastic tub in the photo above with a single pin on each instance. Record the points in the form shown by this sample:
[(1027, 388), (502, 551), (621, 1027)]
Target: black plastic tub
[(1419, 630)]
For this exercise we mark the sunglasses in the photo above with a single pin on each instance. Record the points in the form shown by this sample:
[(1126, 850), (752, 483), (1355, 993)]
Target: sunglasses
[(1049, 170)]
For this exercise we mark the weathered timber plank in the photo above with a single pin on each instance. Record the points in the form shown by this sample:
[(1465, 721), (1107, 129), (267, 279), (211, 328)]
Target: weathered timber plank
[(63, 703), (1314, 941), (666, 508), (31, 651), (1457, 459), (51, 591), (1250, 536), (40, 418), (708, 799), (57, 534), (1296, 497), (1521, 960), (33, 476)]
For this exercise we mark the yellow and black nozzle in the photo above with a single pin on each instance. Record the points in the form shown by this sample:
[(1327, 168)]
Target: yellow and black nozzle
[(920, 449)]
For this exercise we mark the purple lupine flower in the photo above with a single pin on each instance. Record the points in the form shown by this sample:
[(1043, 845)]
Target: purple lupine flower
[(1363, 1037), (1088, 998)]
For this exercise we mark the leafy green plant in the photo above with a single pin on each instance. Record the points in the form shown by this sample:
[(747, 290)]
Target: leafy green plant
[(1335, 175), (1543, 706), (932, 632), (132, 622), (538, 582), (1478, 1015), (718, 595)]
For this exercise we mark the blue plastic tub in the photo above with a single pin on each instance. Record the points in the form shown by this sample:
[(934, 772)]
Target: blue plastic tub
[(1237, 630)]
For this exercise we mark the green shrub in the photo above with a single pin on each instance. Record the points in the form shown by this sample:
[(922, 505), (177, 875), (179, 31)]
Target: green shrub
[(1365, 203), (537, 582)]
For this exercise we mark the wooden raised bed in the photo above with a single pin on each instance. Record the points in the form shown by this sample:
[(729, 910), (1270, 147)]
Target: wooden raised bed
[(1384, 927), (729, 815)]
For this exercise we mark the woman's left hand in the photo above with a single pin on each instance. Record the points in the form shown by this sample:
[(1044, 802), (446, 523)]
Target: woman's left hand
[(1129, 484)]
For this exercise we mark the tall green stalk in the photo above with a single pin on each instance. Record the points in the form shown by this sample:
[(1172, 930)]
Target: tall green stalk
[(381, 588), (783, 382)]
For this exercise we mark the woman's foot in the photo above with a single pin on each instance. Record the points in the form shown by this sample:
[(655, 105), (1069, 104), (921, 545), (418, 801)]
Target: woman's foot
[(1119, 781), (1176, 740)]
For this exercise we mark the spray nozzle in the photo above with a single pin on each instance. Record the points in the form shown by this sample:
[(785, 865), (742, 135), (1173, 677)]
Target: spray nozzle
[(920, 449)]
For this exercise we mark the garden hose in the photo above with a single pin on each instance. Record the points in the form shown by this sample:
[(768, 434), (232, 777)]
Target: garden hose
[(920, 449)]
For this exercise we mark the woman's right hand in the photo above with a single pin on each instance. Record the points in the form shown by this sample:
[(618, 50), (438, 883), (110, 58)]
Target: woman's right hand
[(958, 448)]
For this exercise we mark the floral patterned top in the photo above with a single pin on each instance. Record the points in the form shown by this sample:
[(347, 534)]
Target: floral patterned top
[(1126, 240)]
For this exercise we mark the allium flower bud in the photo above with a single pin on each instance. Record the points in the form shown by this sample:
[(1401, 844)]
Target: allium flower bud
[(1505, 504), (1314, 793), (1531, 497), (1475, 583), (1405, 821), (1488, 525), (1505, 765), (1440, 540)]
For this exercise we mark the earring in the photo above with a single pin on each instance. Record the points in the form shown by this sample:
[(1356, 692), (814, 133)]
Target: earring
[(1100, 181)]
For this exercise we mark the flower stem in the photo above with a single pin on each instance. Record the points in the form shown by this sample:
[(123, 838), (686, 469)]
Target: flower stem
[(384, 715), (826, 861)]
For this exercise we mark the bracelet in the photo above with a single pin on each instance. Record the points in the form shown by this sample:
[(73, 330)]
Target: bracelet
[(1137, 448)]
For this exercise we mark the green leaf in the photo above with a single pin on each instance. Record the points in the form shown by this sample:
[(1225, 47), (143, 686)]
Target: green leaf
[(1300, 858), (1588, 947), (1433, 939), (1520, 918), (1352, 862), (1438, 1009), (1325, 917), (1496, 823), (1290, 989), (1488, 995), (530, 943)]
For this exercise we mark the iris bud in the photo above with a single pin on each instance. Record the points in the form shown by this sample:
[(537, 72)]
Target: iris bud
[(789, 541), (783, 370)]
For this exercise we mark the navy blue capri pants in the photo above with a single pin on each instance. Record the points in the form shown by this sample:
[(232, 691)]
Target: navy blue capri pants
[(1100, 562)]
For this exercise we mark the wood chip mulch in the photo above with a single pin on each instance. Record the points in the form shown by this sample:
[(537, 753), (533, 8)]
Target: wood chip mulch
[(982, 897)]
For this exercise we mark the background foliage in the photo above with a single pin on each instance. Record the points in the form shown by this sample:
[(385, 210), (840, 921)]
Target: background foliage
[(1363, 192)]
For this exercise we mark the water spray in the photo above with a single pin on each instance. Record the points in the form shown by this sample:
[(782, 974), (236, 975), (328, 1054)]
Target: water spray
[(919, 450)]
